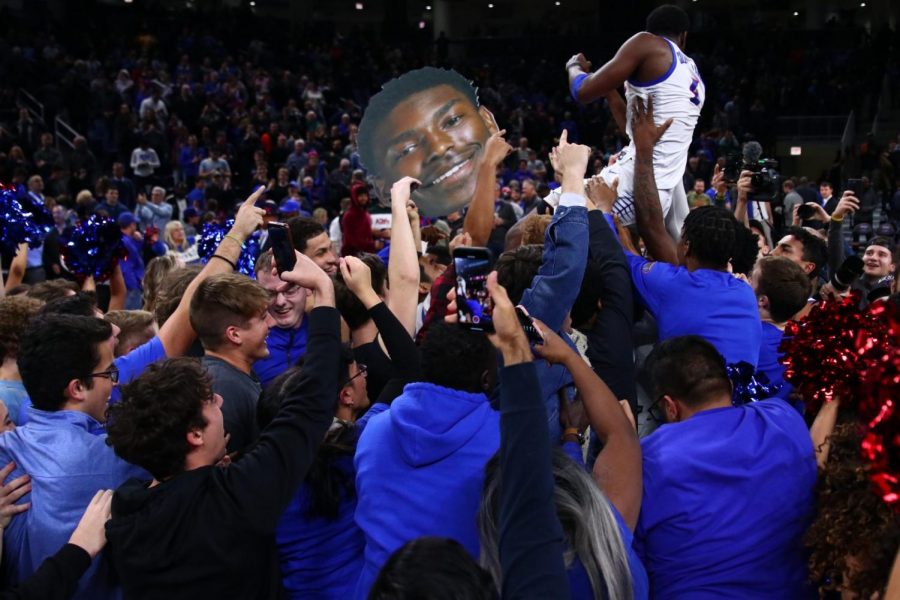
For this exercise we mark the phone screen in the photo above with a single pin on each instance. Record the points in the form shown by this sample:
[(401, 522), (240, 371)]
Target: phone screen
[(473, 302), (282, 247)]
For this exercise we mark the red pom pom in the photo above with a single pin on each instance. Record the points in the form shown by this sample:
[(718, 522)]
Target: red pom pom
[(839, 350)]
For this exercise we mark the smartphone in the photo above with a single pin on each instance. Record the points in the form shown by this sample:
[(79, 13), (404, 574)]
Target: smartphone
[(474, 308), (282, 247), (805, 212), (855, 186), (531, 332)]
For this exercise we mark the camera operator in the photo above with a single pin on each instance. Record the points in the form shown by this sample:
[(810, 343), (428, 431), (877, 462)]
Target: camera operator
[(837, 251), (757, 209)]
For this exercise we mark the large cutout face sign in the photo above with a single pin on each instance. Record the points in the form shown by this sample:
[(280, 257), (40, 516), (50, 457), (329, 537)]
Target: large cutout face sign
[(427, 124)]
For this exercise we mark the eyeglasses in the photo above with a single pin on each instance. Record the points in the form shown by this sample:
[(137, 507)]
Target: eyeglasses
[(655, 411), (111, 373), (361, 371)]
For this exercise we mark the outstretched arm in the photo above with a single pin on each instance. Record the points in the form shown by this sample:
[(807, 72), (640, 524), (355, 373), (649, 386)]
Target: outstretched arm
[(610, 76), (176, 334), (531, 537), (618, 466), (648, 212), (403, 266), (555, 287), (480, 217)]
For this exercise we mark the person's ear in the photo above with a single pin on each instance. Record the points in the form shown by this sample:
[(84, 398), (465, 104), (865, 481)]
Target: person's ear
[(763, 302), (486, 381), (194, 438), (488, 117), (672, 409), (75, 390), (233, 335), (808, 267), (345, 396)]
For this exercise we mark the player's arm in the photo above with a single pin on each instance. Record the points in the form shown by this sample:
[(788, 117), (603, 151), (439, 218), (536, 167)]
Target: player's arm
[(611, 75), (648, 212)]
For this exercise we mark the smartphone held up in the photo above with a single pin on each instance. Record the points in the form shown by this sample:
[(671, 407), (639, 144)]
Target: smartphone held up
[(474, 308), (282, 247)]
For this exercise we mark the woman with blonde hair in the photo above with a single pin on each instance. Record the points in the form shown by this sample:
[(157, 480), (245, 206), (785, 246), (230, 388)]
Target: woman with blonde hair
[(179, 245)]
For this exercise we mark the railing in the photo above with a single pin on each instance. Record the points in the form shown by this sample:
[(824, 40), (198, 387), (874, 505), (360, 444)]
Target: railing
[(64, 133), (822, 127), (29, 102)]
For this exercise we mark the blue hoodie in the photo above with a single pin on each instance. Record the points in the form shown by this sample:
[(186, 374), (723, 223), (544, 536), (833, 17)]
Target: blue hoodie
[(419, 471)]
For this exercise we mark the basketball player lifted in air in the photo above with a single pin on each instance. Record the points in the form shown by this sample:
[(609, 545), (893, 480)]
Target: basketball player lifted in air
[(651, 64)]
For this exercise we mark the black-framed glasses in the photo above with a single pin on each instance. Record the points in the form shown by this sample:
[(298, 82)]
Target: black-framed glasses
[(655, 411), (111, 373), (361, 371)]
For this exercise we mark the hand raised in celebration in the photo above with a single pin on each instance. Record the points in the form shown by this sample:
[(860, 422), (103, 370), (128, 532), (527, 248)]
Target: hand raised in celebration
[(496, 149), (601, 195), (401, 191), (358, 277), (249, 217)]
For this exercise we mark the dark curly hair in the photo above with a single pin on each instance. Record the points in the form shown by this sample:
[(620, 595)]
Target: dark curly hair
[(715, 237), (351, 309), (455, 358), (149, 426), (15, 314), (82, 304), (852, 522), (516, 269)]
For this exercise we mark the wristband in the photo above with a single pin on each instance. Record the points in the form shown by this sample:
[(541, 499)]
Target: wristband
[(234, 239), (573, 431), (576, 85), (220, 257), (837, 219)]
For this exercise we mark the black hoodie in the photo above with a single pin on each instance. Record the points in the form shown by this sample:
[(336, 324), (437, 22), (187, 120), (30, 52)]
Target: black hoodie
[(209, 532)]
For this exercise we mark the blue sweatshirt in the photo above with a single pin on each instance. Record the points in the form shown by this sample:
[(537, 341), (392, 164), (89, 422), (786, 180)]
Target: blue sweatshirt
[(420, 469), (320, 559)]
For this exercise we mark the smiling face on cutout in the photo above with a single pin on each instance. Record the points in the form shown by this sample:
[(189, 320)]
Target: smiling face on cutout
[(437, 136)]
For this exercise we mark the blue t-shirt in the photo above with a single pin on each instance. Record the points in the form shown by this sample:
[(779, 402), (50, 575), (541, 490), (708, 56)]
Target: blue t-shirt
[(771, 367), (712, 304), (728, 496)]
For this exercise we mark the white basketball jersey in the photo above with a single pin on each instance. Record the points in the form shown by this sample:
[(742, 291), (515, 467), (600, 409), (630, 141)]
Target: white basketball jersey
[(679, 95)]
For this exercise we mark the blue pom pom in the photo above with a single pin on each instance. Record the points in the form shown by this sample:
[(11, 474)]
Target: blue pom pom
[(213, 234), (23, 220), (749, 386), (94, 249)]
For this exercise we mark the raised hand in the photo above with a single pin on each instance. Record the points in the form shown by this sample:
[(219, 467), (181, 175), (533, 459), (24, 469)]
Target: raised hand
[(848, 205), (644, 129), (572, 156), (508, 336), (401, 191), (249, 217), (579, 60), (358, 277), (497, 148)]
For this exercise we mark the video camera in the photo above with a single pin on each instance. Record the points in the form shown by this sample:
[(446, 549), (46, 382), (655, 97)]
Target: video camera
[(765, 177)]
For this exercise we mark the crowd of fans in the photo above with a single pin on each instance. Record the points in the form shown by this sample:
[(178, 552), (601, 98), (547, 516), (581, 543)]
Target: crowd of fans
[(330, 431)]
